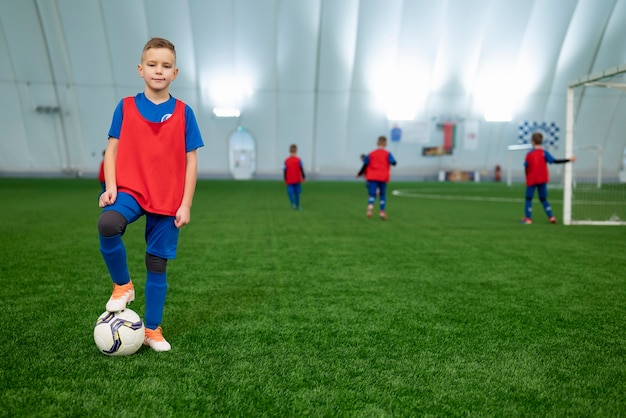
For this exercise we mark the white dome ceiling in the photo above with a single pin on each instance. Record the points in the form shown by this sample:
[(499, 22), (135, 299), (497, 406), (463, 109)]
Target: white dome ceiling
[(321, 73)]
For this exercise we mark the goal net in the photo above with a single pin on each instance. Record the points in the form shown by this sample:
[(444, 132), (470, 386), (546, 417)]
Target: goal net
[(594, 190)]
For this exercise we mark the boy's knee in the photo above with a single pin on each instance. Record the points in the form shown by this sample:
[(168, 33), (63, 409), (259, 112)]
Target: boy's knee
[(155, 264), (111, 223)]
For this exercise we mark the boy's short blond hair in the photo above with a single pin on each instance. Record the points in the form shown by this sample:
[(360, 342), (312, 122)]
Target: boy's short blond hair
[(293, 148), (382, 140), (159, 43)]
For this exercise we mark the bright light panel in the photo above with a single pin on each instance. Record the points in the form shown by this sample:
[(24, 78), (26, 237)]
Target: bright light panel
[(226, 112), (494, 96), (401, 93), (229, 92)]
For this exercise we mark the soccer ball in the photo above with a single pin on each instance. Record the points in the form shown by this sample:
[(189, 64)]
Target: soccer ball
[(119, 333)]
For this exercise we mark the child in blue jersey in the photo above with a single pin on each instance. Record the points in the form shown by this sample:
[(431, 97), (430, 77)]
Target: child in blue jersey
[(537, 177), (150, 169), (293, 174)]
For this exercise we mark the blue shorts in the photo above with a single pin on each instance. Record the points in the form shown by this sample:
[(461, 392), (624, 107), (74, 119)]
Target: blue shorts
[(295, 188), (542, 190), (161, 233), (380, 186)]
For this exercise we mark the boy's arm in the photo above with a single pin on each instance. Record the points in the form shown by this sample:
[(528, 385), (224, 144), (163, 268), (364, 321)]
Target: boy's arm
[(551, 160), (565, 160), (110, 194), (392, 160), (366, 161), (360, 173), (183, 214)]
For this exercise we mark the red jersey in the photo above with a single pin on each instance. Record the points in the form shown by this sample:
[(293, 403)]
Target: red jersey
[(151, 159), (101, 172), (293, 170), (378, 166), (536, 168)]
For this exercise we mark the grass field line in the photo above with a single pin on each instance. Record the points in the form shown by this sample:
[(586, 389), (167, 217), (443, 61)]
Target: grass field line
[(413, 193)]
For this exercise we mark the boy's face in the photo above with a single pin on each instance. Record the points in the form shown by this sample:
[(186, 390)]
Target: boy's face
[(158, 68)]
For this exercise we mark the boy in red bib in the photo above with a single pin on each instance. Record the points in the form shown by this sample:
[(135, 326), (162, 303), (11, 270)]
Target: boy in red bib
[(377, 166), (293, 173), (150, 169), (537, 177)]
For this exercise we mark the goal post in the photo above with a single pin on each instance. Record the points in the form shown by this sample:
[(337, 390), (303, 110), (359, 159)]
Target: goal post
[(594, 190)]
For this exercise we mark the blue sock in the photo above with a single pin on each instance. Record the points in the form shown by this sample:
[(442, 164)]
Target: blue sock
[(528, 208), (547, 208), (156, 290), (114, 255)]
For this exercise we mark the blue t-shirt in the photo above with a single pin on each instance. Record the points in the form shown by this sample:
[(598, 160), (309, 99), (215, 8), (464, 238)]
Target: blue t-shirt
[(391, 159), (549, 158), (159, 113)]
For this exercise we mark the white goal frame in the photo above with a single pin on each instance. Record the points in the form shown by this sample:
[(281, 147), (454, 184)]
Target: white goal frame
[(593, 80)]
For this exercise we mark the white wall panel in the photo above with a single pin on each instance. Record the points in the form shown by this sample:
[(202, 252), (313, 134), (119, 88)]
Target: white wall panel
[(297, 129), (338, 28), (255, 48), (297, 57), (127, 31), (504, 29), (26, 41), (297, 39), (459, 46), (44, 131), (539, 52), (377, 32), (330, 148), (82, 29), (578, 52), (15, 153), (261, 120), (172, 23), (6, 64), (318, 73), (95, 121), (611, 50)]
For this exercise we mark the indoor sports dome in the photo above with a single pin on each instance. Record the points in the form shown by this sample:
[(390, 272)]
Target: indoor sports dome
[(456, 85)]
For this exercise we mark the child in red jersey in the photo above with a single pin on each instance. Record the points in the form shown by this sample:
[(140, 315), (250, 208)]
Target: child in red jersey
[(150, 168), (293, 173), (537, 177), (377, 166)]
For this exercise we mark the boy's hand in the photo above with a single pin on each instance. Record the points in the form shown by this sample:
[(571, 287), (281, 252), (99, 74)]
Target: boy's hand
[(183, 216), (107, 198)]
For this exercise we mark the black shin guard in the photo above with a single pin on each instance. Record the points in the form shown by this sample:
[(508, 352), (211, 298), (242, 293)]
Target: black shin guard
[(111, 223), (155, 264)]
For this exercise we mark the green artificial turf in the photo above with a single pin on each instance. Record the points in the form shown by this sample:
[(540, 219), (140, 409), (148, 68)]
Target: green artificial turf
[(448, 308)]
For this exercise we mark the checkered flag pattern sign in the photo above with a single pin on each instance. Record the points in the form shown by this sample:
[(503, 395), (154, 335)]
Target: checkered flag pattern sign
[(550, 133)]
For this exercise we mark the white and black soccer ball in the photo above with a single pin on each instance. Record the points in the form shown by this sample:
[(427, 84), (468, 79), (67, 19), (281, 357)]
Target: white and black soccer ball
[(119, 333)]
